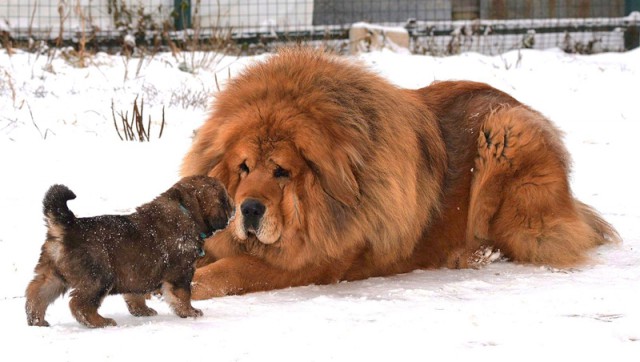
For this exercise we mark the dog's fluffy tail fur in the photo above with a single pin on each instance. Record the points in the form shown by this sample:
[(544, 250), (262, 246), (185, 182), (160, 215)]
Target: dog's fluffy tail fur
[(604, 232), (55, 205)]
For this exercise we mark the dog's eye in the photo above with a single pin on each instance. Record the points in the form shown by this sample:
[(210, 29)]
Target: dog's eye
[(244, 167), (280, 172)]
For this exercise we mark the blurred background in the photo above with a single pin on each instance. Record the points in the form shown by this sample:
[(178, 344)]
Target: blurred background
[(438, 27)]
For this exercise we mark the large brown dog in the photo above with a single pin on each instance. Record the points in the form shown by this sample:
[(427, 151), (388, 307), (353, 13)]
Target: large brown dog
[(339, 175)]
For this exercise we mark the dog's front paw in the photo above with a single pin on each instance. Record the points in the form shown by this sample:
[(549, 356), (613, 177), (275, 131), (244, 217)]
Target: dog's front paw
[(205, 290), (484, 256)]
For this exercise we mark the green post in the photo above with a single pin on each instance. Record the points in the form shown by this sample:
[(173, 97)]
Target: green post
[(182, 11), (631, 5), (631, 33)]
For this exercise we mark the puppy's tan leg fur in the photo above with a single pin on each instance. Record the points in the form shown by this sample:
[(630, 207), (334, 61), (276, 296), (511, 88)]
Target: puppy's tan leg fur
[(42, 291), (88, 315), (84, 306), (180, 300)]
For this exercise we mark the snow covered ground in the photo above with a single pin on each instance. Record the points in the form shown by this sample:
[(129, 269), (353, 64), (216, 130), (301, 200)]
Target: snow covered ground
[(56, 126)]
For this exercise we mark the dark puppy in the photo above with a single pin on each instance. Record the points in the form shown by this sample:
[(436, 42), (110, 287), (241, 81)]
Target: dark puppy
[(155, 247)]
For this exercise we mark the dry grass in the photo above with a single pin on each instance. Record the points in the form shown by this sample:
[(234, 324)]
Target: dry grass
[(134, 129), (7, 81)]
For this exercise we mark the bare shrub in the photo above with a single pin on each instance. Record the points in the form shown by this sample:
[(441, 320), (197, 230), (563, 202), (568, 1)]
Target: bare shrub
[(134, 129)]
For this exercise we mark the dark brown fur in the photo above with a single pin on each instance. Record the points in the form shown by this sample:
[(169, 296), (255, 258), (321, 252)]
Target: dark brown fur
[(358, 178), (155, 247)]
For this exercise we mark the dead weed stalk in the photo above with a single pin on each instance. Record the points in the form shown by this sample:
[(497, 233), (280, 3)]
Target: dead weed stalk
[(134, 129)]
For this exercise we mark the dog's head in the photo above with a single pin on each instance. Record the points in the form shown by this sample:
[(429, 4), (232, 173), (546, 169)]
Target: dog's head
[(288, 150)]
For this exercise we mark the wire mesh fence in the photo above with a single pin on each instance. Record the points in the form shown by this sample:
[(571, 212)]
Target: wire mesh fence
[(433, 27)]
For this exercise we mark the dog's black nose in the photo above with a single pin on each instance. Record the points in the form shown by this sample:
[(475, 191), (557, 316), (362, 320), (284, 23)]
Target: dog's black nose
[(252, 211)]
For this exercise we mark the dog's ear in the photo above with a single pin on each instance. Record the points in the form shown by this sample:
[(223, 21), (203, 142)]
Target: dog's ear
[(206, 156), (200, 160), (336, 176), (206, 150), (221, 172)]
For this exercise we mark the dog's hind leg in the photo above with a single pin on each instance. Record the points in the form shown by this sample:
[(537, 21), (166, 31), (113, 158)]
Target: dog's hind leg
[(84, 305), (45, 287), (137, 305), (521, 201), (178, 295), (492, 171)]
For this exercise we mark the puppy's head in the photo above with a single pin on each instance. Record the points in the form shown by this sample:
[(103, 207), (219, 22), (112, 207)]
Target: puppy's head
[(206, 199)]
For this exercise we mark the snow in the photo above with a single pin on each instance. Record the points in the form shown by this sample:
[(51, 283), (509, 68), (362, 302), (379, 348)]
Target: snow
[(56, 127)]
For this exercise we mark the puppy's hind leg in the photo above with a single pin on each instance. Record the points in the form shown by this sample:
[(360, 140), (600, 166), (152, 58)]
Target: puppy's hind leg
[(137, 305), (45, 288), (178, 295), (84, 306)]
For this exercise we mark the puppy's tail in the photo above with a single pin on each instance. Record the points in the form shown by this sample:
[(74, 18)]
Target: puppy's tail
[(55, 205)]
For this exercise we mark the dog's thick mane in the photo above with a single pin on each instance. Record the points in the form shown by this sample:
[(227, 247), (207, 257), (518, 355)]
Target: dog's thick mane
[(343, 102)]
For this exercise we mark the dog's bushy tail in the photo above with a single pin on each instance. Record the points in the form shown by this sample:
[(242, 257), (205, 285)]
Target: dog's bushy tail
[(55, 205), (604, 232)]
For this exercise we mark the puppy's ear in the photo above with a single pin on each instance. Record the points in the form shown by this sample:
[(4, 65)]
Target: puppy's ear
[(185, 194)]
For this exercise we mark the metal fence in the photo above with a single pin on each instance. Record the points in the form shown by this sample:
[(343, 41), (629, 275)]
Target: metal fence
[(436, 27)]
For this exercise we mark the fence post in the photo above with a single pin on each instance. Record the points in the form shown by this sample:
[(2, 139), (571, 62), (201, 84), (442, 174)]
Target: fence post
[(631, 33), (182, 11), (631, 5)]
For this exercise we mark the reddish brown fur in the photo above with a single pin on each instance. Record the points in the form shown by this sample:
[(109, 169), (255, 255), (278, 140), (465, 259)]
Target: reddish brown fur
[(379, 180), (125, 254)]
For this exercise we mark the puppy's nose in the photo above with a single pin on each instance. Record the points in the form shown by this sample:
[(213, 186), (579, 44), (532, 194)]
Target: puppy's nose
[(252, 211)]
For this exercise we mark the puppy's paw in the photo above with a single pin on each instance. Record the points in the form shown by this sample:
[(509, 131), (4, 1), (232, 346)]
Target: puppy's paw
[(190, 312), (108, 322), (98, 322), (143, 312), (37, 322), (136, 303)]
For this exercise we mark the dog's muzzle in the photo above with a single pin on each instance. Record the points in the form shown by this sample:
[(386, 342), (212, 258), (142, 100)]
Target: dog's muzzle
[(252, 212)]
